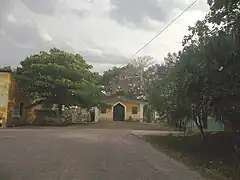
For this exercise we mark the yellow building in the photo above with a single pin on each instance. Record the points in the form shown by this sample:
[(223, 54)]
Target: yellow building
[(12, 104), (120, 108), (5, 84)]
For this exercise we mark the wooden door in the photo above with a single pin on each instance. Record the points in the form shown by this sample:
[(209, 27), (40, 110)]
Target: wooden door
[(119, 112)]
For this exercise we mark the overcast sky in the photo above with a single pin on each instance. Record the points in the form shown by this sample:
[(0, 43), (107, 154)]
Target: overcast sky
[(104, 32)]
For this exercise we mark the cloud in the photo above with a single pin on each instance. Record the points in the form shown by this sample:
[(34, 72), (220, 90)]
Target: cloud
[(104, 58), (48, 7), (20, 38), (79, 13), (5, 6), (136, 11), (104, 32)]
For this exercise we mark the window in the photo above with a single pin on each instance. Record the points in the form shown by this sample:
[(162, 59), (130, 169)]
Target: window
[(134, 110), (103, 108)]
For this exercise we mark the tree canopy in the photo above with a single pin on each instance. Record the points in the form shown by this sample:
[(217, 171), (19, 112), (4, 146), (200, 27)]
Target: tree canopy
[(132, 78), (203, 78), (64, 78)]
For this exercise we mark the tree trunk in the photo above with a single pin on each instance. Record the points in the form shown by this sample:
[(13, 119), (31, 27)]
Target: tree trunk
[(200, 127), (60, 113), (202, 132), (197, 119)]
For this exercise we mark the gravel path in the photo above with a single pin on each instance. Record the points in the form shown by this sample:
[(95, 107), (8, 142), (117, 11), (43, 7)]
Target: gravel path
[(83, 154)]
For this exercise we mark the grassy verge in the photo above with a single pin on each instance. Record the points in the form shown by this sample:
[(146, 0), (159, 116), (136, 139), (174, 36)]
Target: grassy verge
[(213, 157)]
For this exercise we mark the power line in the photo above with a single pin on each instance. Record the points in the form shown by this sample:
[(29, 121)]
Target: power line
[(138, 51), (159, 33)]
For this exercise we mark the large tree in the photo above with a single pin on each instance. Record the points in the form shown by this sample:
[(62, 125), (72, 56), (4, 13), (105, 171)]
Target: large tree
[(61, 77), (205, 77), (133, 78)]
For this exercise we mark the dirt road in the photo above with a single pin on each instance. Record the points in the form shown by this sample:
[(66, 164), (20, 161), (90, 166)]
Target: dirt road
[(83, 154)]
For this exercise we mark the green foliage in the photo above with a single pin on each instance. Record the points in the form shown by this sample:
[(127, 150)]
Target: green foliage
[(132, 78), (203, 79), (214, 158), (63, 78)]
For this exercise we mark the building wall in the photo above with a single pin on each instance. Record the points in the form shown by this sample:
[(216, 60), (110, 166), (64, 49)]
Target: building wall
[(212, 126), (30, 115), (10, 101), (128, 111), (5, 83), (129, 106), (17, 105)]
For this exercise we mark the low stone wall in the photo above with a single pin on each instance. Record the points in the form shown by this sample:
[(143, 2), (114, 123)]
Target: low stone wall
[(46, 117)]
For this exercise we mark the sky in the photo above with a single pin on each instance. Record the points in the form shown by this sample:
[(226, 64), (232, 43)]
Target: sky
[(105, 32)]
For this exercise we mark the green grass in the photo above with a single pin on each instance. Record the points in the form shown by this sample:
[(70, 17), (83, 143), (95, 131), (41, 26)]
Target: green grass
[(213, 157)]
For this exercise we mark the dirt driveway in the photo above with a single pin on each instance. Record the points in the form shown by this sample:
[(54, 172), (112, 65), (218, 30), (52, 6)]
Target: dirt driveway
[(83, 154), (126, 125)]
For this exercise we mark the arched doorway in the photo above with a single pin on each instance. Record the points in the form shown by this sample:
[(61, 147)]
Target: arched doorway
[(118, 112)]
